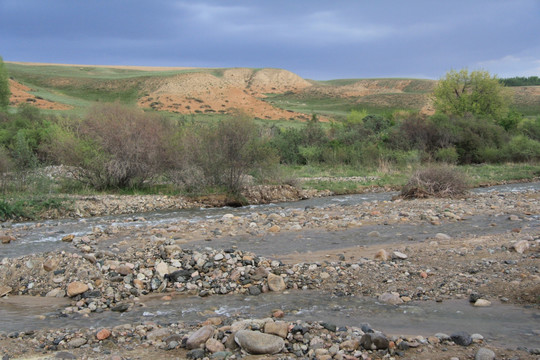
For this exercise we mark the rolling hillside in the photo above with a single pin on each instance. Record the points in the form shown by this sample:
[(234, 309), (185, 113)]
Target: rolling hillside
[(271, 94)]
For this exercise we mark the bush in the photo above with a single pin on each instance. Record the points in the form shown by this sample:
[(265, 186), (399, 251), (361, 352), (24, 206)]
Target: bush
[(224, 154), (530, 128), (447, 155), (115, 146), (440, 181), (521, 148), (5, 161)]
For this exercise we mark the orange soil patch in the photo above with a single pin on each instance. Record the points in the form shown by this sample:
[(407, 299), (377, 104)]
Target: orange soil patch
[(243, 89), (20, 95)]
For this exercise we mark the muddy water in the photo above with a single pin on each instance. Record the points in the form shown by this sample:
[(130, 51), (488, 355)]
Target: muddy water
[(422, 318)]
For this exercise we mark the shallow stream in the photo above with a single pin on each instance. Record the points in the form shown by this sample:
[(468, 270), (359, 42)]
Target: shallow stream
[(501, 323)]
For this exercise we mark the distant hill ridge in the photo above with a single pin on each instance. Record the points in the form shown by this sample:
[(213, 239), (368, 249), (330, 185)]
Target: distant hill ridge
[(190, 90)]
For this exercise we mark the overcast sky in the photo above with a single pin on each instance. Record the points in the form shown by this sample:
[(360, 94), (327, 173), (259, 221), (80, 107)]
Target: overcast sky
[(313, 38)]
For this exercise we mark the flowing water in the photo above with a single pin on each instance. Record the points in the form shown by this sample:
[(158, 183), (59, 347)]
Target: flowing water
[(506, 324)]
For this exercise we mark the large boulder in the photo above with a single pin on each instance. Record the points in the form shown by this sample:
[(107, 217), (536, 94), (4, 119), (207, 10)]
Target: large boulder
[(257, 343)]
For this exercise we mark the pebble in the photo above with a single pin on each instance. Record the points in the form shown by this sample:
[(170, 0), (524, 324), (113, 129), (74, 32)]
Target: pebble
[(76, 288), (461, 338), (441, 236), (484, 354), (520, 247), (482, 303), (279, 328), (103, 334), (390, 298), (276, 283), (381, 255), (77, 342)]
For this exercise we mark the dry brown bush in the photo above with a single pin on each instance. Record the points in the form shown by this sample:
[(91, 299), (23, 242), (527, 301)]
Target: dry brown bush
[(114, 146), (436, 181)]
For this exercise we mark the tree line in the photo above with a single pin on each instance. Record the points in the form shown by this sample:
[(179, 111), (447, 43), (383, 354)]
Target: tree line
[(521, 81)]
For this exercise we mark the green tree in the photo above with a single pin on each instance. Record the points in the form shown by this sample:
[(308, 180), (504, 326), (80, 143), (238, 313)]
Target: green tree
[(477, 93), (4, 86)]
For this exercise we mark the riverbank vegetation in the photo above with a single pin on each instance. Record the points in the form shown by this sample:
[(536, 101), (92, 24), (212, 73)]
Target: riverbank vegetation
[(118, 148)]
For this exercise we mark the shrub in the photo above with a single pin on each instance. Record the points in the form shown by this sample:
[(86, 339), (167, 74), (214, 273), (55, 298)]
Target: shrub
[(530, 128), (224, 154), (447, 155), (5, 161), (115, 146), (521, 148), (439, 181), (312, 154)]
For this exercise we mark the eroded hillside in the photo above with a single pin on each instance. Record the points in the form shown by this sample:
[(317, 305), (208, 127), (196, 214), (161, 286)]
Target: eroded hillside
[(272, 94)]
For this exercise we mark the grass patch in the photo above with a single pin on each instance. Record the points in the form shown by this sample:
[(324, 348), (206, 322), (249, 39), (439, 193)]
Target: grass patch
[(487, 174), (30, 207)]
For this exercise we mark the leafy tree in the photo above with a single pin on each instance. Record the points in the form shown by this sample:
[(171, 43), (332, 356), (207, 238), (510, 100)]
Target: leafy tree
[(4, 86), (476, 93)]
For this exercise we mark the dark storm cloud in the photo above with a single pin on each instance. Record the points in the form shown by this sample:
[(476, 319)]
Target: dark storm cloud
[(316, 39)]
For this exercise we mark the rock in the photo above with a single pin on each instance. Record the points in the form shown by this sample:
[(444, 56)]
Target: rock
[(477, 338), (199, 337), (56, 292), (123, 307), (158, 334), (513, 218), (390, 298), (50, 264), (461, 338), (68, 238), (381, 255), (256, 343), (441, 236), (214, 346), (219, 257), (520, 246), (276, 283), (162, 269), (123, 270), (482, 303), (374, 341), (103, 334), (76, 288), (6, 239), (279, 328), (484, 354), (374, 234), (399, 255), (221, 355), (196, 354), (350, 345), (64, 355), (77, 342), (4, 290), (274, 229), (254, 290)]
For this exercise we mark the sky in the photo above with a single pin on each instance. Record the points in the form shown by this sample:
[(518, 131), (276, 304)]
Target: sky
[(315, 39)]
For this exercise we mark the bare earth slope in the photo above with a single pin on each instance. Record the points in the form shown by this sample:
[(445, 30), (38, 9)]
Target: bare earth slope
[(204, 92)]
